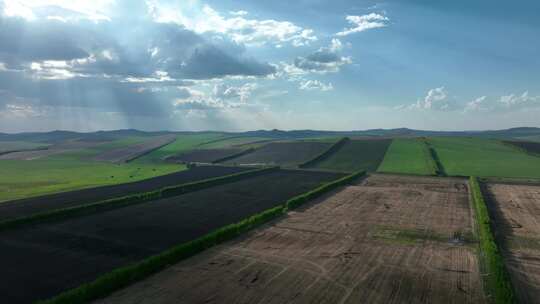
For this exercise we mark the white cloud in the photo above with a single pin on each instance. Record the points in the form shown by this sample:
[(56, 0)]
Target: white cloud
[(324, 60), (363, 23), (223, 91), (238, 13), (241, 30), (310, 85), (62, 10), (437, 99), (520, 101), (477, 104)]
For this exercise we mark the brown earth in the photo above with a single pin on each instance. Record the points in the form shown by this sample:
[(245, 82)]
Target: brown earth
[(516, 213), (392, 239), (204, 155), (529, 146), (42, 260), (131, 152), (60, 148)]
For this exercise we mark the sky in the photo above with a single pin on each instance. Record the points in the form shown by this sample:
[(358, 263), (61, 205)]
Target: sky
[(237, 65)]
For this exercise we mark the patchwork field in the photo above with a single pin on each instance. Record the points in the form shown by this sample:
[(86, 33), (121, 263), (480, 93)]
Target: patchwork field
[(29, 206), (484, 157), (409, 156), (391, 239), (357, 155), (515, 211), (205, 155), (128, 153), (77, 250), (55, 149), (529, 146), (236, 142), (7, 146), (22, 178), (283, 153)]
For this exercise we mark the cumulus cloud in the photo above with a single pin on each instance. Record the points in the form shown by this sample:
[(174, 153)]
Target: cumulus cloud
[(310, 85), (436, 99), (363, 23), (204, 19), (324, 60), (477, 104), (242, 93), (520, 101)]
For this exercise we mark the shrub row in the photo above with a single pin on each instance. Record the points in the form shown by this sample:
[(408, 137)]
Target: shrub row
[(497, 280), (324, 155), (131, 199), (124, 276), (435, 162)]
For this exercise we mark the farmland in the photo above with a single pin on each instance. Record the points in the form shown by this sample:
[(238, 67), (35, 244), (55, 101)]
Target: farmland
[(357, 155), (283, 153), (409, 156), (131, 152), (389, 240), (205, 155), (515, 211), (29, 206), (484, 157), (528, 146), (8, 146), (77, 250)]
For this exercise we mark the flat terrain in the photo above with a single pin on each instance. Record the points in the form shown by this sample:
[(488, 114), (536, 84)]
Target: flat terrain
[(516, 213), (284, 153), (55, 149), (529, 146), (409, 156), (205, 155), (131, 152), (357, 155), (390, 240), (7, 146), (78, 250), (29, 206), (484, 157), (27, 178), (230, 142)]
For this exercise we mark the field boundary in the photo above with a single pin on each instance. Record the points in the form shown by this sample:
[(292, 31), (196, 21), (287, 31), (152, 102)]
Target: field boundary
[(125, 276), (496, 278), (233, 156), (326, 154), (434, 160), (149, 151), (518, 148), (131, 199)]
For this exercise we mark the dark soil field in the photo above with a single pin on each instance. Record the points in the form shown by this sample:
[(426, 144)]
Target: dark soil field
[(515, 210), (529, 146), (357, 155), (286, 153), (41, 261), (369, 243), (131, 152), (29, 206), (204, 155)]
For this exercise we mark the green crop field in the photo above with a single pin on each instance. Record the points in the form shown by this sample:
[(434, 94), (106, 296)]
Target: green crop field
[(19, 145), (484, 157), (409, 156), (90, 152), (356, 155), (181, 144), (25, 178), (229, 142)]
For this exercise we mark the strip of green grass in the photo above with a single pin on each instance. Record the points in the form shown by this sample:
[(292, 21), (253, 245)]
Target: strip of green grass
[(356, 155), (407, 156), (326, 154), (27, 178), (497, 279), (484, 157), (122, 277), (131, 199)]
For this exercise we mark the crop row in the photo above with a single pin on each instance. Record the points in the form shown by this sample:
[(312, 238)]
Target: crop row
[(324, 155), (125, 276), (131, 199)]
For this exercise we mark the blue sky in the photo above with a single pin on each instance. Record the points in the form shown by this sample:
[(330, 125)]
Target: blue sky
[(242, 65)]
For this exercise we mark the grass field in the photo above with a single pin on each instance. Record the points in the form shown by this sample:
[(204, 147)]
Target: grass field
[(407, 155), (90, 152), (357, 155), (235, 141), (22, 178), (181, 144), (484, 157)]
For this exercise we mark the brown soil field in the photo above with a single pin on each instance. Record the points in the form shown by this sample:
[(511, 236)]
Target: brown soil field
[(48, 151), (529, 146), (132, 152), (29, 206), (41, 261), (204, 155), (285, 153), (516, 213), (391, 239)]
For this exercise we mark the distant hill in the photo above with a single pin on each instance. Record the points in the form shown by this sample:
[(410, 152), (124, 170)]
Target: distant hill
[(59, 136)]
